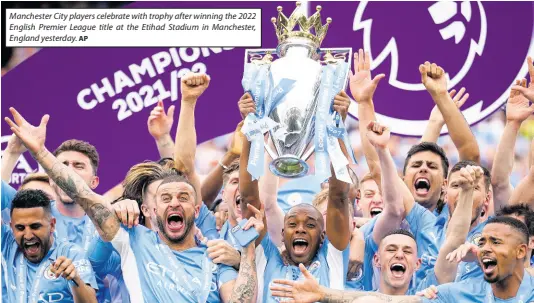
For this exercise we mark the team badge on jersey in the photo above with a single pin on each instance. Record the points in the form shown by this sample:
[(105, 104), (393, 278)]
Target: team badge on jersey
[(48, 274), (294, 199)]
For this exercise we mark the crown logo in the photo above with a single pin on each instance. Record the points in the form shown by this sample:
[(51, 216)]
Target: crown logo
[(285, 26)]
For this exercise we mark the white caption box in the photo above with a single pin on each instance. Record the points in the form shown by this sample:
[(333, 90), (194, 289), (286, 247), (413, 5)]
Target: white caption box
[(155, 27)]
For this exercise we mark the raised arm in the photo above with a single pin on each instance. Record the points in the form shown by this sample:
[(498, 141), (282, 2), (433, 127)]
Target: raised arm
[(517, 111), (245, 287), (96, 207), (12, 153), (192, 86), (212, 184), (249, 190), (393, 213), (436, 121), (524, 191), (527, 92), (460, 222), (435, 81), (363, 87), (268, 186), (337, 212), (159, 126)]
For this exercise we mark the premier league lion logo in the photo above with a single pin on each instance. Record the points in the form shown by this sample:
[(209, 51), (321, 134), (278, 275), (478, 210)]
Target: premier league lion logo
[(481, 46)]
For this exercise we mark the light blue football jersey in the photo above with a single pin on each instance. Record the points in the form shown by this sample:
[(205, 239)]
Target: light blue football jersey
[(36, 281), (479, 291), (153, 272), (329, 267)]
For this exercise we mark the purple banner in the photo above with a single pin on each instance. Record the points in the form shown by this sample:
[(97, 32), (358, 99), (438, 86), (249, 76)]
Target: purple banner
[(104, 95)]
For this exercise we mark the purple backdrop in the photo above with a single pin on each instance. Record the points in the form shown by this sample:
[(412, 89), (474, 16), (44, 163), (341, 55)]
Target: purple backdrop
[(50, 81)]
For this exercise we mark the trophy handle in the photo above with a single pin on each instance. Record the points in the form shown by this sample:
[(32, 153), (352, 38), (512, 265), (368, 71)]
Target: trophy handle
[(332, 55), (255, 55), (308, 153)]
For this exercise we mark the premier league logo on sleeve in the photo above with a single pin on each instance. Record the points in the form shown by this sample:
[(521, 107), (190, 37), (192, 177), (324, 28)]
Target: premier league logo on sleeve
[(481, 45)]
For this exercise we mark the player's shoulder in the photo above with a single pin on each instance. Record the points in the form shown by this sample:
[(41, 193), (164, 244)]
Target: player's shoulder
[(468, 287)]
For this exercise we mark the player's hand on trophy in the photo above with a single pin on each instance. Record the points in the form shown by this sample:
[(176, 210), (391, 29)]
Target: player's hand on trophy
[(193, 85), (160, 123), (528, 92), (341, 104), (378, 134), (31, 136), (362, 86), (237, 141), (433, 78), (518, 107), (246, 105)]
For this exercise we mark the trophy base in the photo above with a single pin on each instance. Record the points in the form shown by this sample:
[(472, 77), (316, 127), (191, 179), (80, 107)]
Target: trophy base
[(289, 167)]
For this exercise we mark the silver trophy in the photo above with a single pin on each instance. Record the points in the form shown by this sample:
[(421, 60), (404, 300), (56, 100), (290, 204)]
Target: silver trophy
[(297, 57)]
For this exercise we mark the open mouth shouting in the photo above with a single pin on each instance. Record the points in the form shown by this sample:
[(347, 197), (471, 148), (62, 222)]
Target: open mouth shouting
[(488, 265), (397, 270), (375, 211), (300, 247), (422, 186), (175, 221), (238, 205), (32, 248)]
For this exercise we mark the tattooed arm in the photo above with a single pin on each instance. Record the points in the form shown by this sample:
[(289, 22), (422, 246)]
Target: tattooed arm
[(338, 296), (244, 288), (308, 290), (98, 209)]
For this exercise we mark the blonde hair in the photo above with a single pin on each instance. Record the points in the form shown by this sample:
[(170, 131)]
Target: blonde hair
[(322, 197), (38, 177)]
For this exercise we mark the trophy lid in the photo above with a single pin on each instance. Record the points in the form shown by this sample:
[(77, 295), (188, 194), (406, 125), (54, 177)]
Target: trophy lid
[(286, 31)]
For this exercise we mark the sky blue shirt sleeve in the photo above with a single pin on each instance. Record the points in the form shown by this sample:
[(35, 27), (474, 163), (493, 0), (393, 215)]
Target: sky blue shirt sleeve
[(423, 226), (206, 223), (104, 258), (269, 249), (225, 274), (8, 193), (367, 228), (445, 294), (7, 238), (366, 280), (100, 256), (428, 281)]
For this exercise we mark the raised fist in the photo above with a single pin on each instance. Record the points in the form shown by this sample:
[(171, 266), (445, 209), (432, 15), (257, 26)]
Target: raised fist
[(378, 134), (469, 177), (433, 78), (193, 85)]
